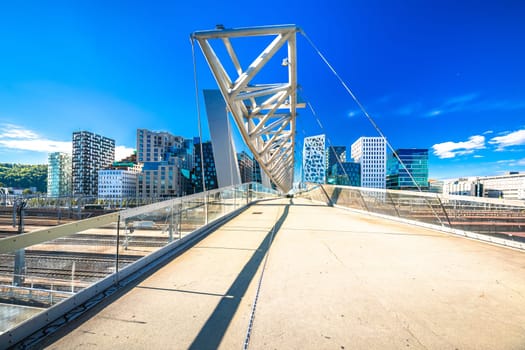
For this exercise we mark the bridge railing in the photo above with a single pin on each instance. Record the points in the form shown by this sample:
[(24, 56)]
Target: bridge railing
[(45, 273), (496, 220)]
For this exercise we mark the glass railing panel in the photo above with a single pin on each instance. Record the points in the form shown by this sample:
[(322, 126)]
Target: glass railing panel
[(144, 233), (493, 217)]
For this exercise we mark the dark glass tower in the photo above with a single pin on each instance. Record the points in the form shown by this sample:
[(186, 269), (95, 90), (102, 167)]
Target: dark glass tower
[(415, 161)]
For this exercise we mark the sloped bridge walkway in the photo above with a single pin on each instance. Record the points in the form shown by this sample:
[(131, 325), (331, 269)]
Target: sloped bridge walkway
[(333, 279)]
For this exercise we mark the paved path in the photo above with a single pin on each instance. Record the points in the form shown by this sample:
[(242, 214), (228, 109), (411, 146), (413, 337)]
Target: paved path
[(333, 280)]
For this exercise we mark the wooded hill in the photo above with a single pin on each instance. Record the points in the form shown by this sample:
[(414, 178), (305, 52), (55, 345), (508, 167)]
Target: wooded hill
[(23, 176)]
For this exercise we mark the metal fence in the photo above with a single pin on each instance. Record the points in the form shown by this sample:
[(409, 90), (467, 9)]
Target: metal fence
[(495, 220), (43, 270)]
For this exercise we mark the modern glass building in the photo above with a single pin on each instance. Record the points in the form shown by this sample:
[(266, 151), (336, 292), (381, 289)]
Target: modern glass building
[(58, 174), (415, 161), (346, 174), (334, 155)]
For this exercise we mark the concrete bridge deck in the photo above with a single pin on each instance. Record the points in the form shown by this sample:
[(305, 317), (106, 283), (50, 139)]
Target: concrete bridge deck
[(333, 280)]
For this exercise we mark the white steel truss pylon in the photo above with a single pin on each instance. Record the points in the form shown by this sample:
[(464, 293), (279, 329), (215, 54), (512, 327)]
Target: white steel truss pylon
[(264, 113)]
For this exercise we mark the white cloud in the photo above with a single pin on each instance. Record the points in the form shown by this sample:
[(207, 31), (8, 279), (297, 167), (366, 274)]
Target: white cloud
[(122, 152), (15, 137), (11, 131), (488, 132), (451, 149), (515, 138)]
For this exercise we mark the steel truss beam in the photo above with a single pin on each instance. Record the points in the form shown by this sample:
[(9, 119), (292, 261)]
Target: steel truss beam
[(264, 113)]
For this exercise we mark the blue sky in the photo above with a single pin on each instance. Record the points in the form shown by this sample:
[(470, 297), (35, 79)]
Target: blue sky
[(444, 75)]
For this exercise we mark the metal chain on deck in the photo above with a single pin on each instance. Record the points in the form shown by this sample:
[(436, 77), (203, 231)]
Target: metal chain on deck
[(258, 290)]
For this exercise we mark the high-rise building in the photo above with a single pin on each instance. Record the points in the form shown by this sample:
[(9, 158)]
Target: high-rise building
[(256, 174), (370, 152), (415, 161), (58, 174), (334, 155), (210, 174), (91, 152), (314, 159), (162, 156), (245, 167)]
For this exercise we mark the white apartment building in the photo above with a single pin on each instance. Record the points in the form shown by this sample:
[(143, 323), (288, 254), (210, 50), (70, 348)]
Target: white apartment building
[(116, 184), (370, 152)]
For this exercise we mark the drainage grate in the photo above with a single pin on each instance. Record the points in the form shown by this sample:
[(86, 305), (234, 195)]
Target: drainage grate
[(257, 212)]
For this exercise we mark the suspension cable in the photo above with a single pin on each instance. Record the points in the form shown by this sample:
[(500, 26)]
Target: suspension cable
[(367, 115), (196, 79)]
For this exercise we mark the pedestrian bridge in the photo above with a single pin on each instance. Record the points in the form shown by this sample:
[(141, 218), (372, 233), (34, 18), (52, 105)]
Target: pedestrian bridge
[(315, 271)]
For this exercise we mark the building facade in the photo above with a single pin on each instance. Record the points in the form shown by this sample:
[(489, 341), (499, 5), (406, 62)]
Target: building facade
[(91, 153), (415, 161), (370, 152), (117, 184), (245, 167), (59, 174), (508, 186), (163, 157), (314, 159)]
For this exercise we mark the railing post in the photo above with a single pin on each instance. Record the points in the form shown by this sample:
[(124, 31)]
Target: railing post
[(205, 207), (118, 244), (171, 223)]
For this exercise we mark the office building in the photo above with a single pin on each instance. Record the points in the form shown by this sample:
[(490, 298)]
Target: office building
[(91, 152), (370, 152), (59, 174), (407, 169), (508, 186), (314, 159)]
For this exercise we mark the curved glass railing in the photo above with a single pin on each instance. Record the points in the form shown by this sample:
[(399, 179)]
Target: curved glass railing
[(46, 272), (495, 220)]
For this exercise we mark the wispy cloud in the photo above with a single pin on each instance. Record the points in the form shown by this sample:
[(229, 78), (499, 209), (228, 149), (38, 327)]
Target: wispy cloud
[(453, 104), (15, 137), (409, 109), (488, 132), (451, 149), (515, 138), (473, 102)]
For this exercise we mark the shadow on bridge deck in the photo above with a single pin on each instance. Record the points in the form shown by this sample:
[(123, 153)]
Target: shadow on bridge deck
[(333, 280)]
